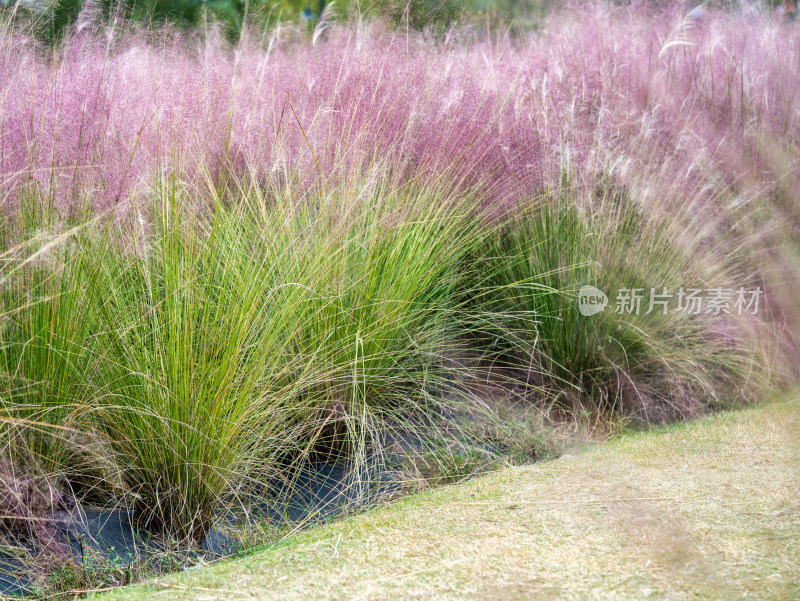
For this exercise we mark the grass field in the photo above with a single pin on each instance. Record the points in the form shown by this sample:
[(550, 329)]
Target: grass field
[(703, 510), (361, 244)]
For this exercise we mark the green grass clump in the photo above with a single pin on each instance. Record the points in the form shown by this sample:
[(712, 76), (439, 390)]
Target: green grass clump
[(218, 349), (649, 363), (182, 341), (184, 359), (378, 277), (48, 301)]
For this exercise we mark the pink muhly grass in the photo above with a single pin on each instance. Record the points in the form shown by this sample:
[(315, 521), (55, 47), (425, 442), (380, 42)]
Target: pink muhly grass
[(689, 102)]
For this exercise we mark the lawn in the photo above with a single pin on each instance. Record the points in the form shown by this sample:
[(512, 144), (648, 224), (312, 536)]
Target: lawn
[(702, 510)]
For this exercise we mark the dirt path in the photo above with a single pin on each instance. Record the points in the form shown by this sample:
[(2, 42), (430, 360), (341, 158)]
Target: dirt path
[(708, 510)]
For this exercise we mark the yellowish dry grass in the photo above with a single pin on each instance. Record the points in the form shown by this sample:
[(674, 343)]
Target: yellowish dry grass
[(708, 510)]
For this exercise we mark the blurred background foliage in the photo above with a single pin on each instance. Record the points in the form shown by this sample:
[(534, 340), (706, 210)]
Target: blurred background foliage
[(52, 18)]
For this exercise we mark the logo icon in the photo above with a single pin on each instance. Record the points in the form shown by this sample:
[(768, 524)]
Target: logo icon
[(591, 300)]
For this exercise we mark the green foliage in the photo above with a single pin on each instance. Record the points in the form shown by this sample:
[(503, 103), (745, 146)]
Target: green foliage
[(48, 304), (208, 349), (181, 359), (95, 571), (447, 464), (53, 19), (526, 299)]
